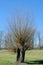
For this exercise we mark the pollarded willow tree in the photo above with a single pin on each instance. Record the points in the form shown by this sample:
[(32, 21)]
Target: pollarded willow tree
[(23, 33)]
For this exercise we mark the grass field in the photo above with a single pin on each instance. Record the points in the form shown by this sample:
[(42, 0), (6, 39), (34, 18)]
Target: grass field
[(32, 57)]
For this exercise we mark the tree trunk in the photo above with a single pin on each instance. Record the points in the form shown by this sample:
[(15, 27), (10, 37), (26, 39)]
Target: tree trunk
[(22, 55), (18, 54)]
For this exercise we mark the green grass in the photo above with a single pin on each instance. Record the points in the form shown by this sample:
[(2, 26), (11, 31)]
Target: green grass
[(32, 57)]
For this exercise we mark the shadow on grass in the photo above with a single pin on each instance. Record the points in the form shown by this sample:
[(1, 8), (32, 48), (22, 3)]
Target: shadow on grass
[(35, 62)]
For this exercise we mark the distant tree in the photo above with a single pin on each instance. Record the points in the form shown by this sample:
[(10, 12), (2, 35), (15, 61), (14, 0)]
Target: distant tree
[(22, 33), (0, 39), (9, 42), (39, 38)]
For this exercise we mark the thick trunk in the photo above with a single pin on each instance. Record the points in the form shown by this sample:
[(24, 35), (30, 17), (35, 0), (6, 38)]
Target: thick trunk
[(22, 55), (18, 54)]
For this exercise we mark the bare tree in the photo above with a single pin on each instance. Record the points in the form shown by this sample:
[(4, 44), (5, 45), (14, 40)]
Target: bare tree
[(22, 33), (39, 38), (9, 42), (0, 39)]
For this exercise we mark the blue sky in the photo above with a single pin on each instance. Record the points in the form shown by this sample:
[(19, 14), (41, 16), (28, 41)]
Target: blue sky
[(8, 7)]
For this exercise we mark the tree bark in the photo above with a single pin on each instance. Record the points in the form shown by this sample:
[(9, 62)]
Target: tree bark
[(22, 55), (18, 54)]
